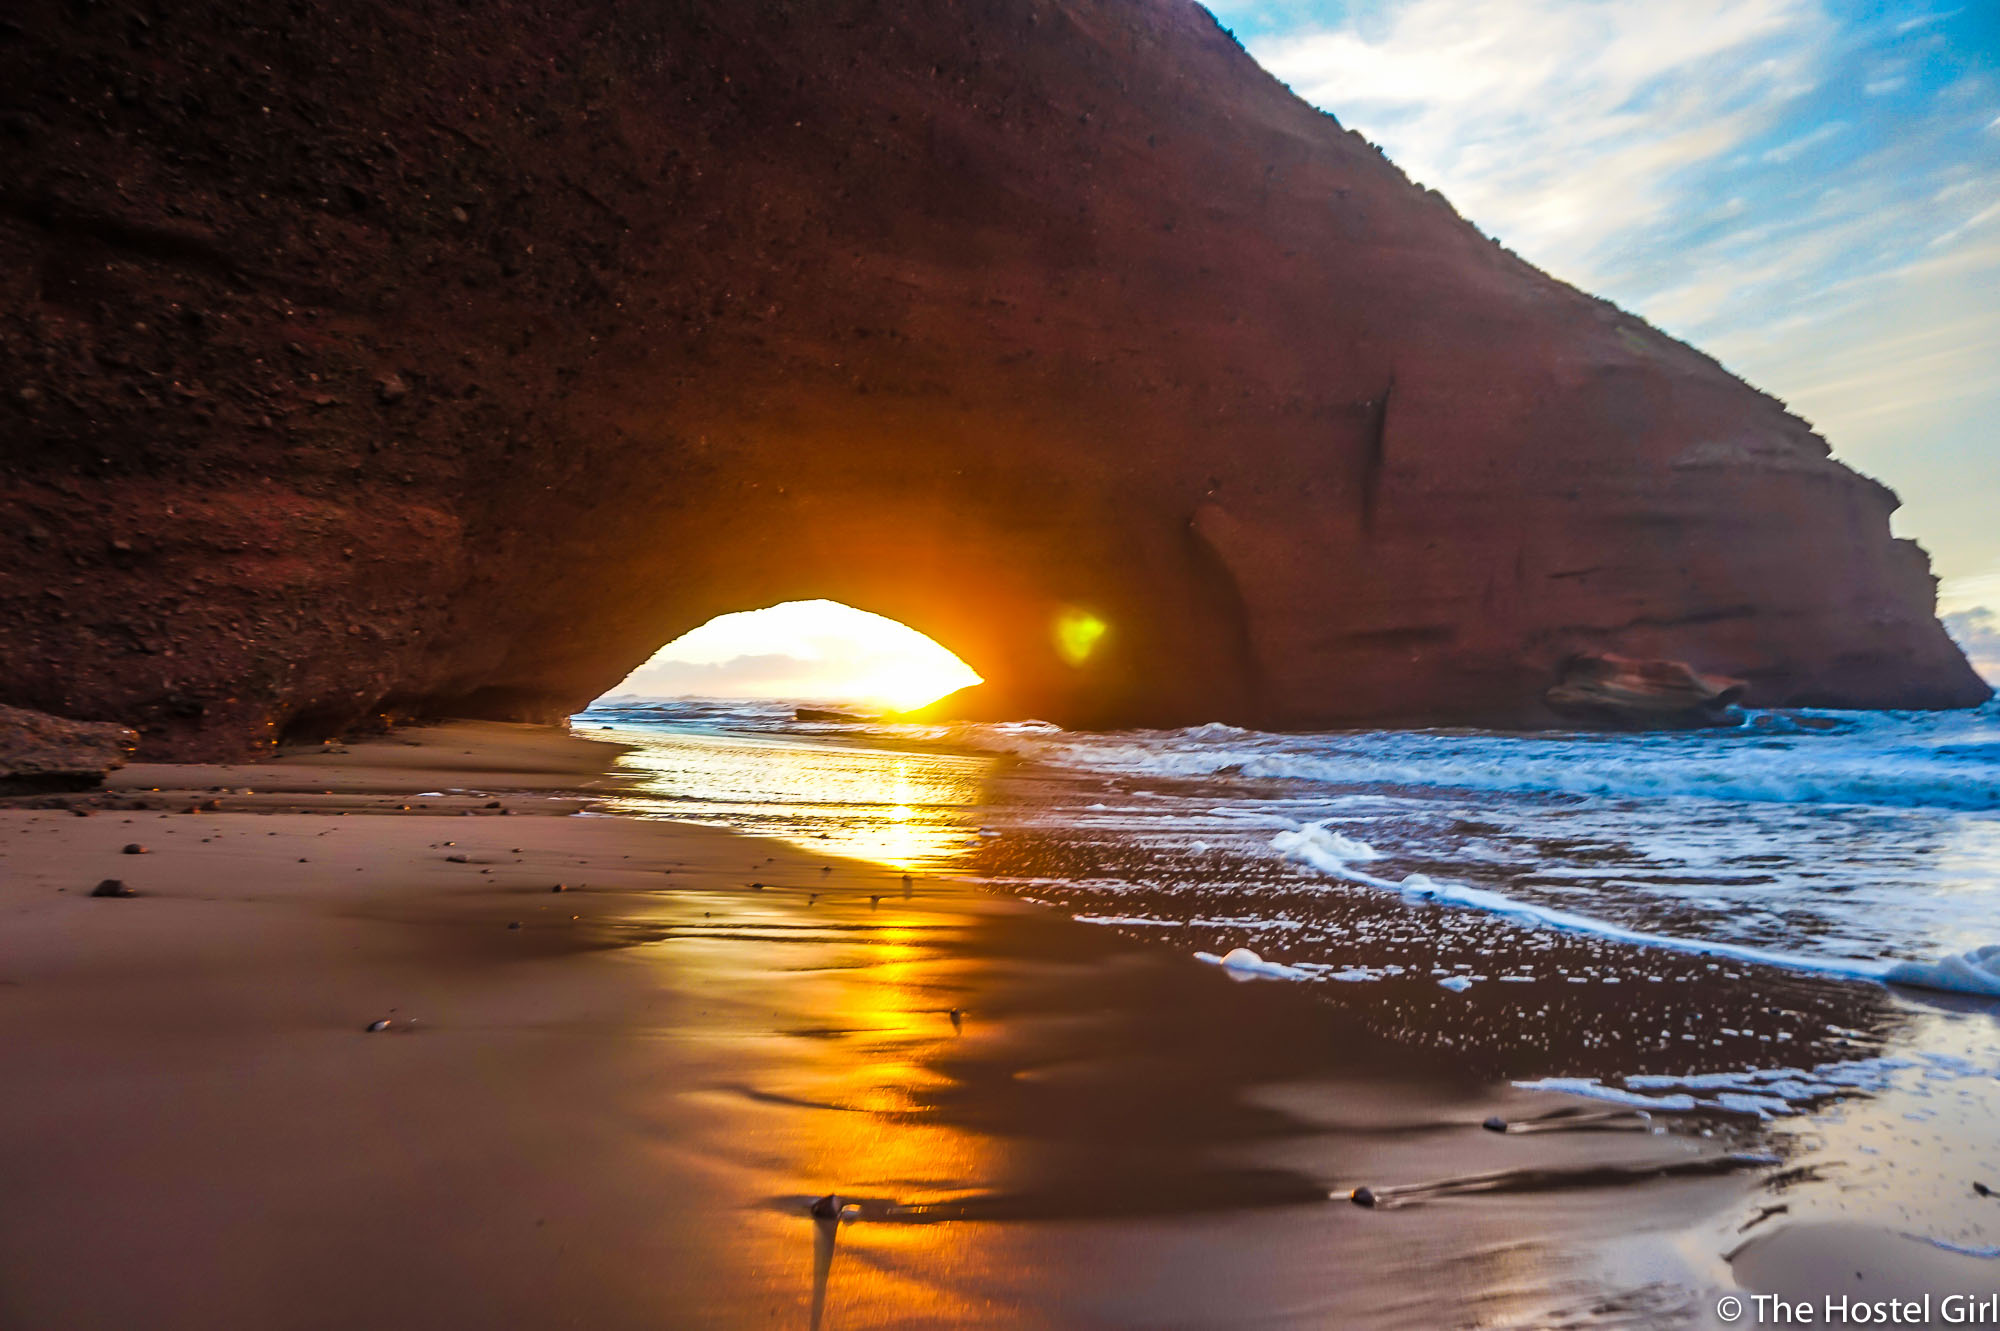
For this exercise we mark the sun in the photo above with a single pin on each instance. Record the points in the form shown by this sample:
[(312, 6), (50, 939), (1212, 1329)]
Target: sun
[(806, 650)]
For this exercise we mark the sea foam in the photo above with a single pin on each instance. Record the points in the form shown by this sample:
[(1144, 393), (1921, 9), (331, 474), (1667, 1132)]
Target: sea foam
[(1770, 1092), (1973, 972), (1336, 854), (1243, 961)]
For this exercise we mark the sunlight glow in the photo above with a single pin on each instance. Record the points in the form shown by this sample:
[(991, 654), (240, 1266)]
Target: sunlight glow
[(905, 811), (808, 650)]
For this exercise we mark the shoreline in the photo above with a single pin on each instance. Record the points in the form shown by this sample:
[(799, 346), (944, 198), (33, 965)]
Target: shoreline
[(618, 1112)]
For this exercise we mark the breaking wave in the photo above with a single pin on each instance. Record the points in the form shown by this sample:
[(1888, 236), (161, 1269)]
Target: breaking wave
[(1947, 760), (1976, 971)]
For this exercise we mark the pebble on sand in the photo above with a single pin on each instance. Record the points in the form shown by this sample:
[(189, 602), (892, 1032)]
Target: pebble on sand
[(112, 887), (133, 848)]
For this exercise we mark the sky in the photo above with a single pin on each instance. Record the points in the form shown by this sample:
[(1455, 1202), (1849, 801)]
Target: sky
[(1808, 190)]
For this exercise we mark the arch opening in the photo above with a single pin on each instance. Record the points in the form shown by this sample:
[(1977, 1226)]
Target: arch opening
[(691, 718), (812, 651)]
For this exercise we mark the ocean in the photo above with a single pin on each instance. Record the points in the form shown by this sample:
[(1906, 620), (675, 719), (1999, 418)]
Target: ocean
[(1783, 932)]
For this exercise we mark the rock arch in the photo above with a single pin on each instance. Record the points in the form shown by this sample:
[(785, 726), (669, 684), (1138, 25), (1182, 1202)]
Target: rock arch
[(377, 357)]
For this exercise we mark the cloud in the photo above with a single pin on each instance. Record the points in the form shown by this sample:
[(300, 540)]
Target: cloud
[(1978, 631), (1803, 189), (1560, 125), (1972, 593), (772, 675)]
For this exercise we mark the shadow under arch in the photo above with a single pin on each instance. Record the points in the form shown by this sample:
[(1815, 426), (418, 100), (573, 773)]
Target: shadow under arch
[(1071, 606)]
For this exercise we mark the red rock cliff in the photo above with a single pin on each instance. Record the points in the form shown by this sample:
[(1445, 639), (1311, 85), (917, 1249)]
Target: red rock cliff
[(374, 357)]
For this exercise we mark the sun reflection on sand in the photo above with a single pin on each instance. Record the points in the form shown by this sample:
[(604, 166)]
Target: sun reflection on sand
[(909, 811), (842, 1082), (890, 998)]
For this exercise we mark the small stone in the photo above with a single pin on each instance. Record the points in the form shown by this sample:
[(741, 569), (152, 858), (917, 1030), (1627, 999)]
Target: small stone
[(375, 1026), (493, 804), (513, 924), (456, 859), (1362, 1197), (560, 887), (391, 388), (1982, 1190), (1495, 1124), (460, 216), (79, 813), (112, 887), (826, 1208), (133, 847)]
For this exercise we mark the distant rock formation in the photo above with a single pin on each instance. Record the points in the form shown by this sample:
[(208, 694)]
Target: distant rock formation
[(828, 714), (1621, 693), (366, 359)]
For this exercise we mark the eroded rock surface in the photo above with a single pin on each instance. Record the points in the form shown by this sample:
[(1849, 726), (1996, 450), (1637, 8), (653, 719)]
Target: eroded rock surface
[(365, 358), (42, 752)]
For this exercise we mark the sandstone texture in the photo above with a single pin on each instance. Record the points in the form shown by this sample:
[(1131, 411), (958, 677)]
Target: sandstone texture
[(41, 752), (367, 359)]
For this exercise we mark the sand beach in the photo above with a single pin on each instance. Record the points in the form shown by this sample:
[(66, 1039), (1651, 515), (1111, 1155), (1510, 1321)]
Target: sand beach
[(615, 1104)]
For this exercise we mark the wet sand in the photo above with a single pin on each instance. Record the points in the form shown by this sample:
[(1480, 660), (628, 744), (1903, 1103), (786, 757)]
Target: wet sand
[(614, 1105)]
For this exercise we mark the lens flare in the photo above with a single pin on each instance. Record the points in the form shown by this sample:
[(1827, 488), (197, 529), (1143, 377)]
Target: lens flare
[(1078, 633)]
